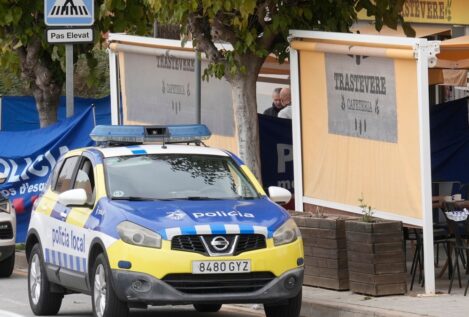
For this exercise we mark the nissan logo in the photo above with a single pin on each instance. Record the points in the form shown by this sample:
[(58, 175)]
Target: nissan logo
[(220, 243)]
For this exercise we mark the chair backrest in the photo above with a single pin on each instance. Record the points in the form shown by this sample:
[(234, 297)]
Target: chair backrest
[(458, 229), (445, 188), (464, 190)]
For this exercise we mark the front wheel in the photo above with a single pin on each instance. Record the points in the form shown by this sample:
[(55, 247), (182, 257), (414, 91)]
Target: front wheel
[(207, 308), (105, 301), (7, 265), (290, 309), (41, 299)]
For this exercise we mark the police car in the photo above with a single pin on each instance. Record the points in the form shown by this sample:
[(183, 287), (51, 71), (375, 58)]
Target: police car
[(7, 234), (135, 224)]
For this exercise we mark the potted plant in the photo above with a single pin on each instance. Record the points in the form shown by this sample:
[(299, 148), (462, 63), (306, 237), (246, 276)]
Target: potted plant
[(375, 254), (325, 249)]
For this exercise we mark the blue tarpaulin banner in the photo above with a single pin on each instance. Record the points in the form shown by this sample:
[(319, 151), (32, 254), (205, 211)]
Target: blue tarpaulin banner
[(20, 113), (275, 135), (27, 158), (449, 137)]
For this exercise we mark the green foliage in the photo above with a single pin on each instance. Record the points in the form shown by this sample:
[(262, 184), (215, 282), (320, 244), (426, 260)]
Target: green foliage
[(367, 210), (22, 22), (258, 28)]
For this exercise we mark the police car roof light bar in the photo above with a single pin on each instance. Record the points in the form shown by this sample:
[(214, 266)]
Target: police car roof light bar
[(131, 134)]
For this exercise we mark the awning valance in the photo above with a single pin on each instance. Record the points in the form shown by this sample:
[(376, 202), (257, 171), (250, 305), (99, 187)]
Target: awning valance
[(420, 30)]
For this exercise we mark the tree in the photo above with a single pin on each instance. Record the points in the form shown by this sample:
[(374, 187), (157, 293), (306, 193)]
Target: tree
[(24, 49), (255, 29)]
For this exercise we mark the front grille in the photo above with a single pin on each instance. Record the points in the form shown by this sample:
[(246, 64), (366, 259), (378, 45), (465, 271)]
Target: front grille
[(193, 243), (188, 243), (249, 242), (219, 283), (6, 231)]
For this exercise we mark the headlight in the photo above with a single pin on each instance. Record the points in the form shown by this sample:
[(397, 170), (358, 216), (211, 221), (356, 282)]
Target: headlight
[(132, 233), (5, 206), (287, 233)]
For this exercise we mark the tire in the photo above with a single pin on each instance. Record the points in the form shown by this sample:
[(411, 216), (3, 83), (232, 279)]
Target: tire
[(104, 299), (290, 309), (7, 266), (41, 299), (207, 308)]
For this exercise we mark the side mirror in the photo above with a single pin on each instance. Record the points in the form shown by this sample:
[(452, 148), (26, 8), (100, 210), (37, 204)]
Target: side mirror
[(74, 197), (279, 195), (3, 178)]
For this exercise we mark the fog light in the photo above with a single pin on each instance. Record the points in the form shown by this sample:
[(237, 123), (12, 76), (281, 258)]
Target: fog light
[(140, 286), (137, 285), (290, 282)]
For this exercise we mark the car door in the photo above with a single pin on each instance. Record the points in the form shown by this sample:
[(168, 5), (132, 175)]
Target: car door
[(49, 217), (74, 269)]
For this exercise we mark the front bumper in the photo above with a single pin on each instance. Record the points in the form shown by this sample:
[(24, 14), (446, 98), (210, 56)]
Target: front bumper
[(142, 288), (6, 251)]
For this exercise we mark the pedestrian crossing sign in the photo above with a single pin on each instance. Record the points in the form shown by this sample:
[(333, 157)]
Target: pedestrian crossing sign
[(69, 12)]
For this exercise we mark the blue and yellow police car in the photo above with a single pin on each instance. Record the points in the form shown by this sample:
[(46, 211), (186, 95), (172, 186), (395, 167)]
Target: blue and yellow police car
[(141, 220)]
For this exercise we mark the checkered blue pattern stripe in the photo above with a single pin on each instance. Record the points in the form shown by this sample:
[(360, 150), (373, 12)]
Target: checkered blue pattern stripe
[(169, 233), (71, 262), (136, 149)]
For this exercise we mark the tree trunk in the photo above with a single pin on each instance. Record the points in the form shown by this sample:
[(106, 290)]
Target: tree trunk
[(45, 86), (245, 109)]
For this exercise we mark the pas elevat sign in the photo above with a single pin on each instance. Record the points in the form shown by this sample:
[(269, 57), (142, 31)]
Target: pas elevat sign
[(69, 12), (69, 8)]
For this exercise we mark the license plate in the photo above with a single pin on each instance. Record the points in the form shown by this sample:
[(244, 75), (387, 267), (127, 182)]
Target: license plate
[(214, 267)]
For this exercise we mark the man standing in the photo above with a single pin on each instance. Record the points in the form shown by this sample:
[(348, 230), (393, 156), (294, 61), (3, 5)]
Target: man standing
[(285, 97), (276, 104)]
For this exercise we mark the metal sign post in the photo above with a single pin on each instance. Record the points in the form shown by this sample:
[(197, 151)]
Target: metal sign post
[(69, 79), (70, 16)]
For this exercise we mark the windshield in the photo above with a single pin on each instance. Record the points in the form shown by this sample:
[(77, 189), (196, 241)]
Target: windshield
[(176, 176)]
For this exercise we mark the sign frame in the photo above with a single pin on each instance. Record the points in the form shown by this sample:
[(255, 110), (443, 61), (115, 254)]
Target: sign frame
[(48, 30), (68, 21), (422, 51)]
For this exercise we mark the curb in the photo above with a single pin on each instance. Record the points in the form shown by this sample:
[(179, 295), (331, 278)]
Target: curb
[(20, 260), (312, 308)]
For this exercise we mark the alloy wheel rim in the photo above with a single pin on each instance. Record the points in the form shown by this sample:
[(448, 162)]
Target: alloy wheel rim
[(35, 279), (100, 290)]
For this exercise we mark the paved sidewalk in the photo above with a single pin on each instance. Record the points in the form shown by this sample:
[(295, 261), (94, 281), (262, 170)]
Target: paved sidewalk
[(319, 302), (324, 303)]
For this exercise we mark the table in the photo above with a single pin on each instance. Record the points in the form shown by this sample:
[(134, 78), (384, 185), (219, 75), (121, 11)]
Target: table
[(437, 202)]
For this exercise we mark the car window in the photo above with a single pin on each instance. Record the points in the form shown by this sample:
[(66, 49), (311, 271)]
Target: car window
[(64, 181), (176, 176), (55, 173), (85, 179)]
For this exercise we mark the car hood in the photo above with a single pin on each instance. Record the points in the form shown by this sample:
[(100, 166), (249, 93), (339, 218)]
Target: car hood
[(176, 217)]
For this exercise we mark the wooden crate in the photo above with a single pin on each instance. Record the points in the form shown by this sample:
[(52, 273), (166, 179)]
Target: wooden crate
[(325, 251), (375, 257)]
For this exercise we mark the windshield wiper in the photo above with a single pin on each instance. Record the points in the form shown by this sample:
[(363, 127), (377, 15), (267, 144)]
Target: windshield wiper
[(132, 198), (213, 198), (200, 198)]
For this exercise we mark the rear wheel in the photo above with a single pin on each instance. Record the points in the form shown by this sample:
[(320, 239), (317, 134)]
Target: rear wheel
[(41, 299), (104, 299), (7, 265), (207, 308), (290, 309)]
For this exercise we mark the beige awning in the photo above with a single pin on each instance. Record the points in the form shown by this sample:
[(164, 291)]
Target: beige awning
[(454, 53), (420, 30)]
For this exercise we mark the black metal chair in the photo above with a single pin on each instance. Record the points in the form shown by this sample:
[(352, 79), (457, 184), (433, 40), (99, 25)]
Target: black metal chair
[(459, 228), (415, 234)]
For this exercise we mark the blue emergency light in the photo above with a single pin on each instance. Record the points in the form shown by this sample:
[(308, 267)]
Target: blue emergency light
[(125, 134)]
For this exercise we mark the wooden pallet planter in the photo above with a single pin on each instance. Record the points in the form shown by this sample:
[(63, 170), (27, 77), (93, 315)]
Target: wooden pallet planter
[(325, 251), (376, 257)]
